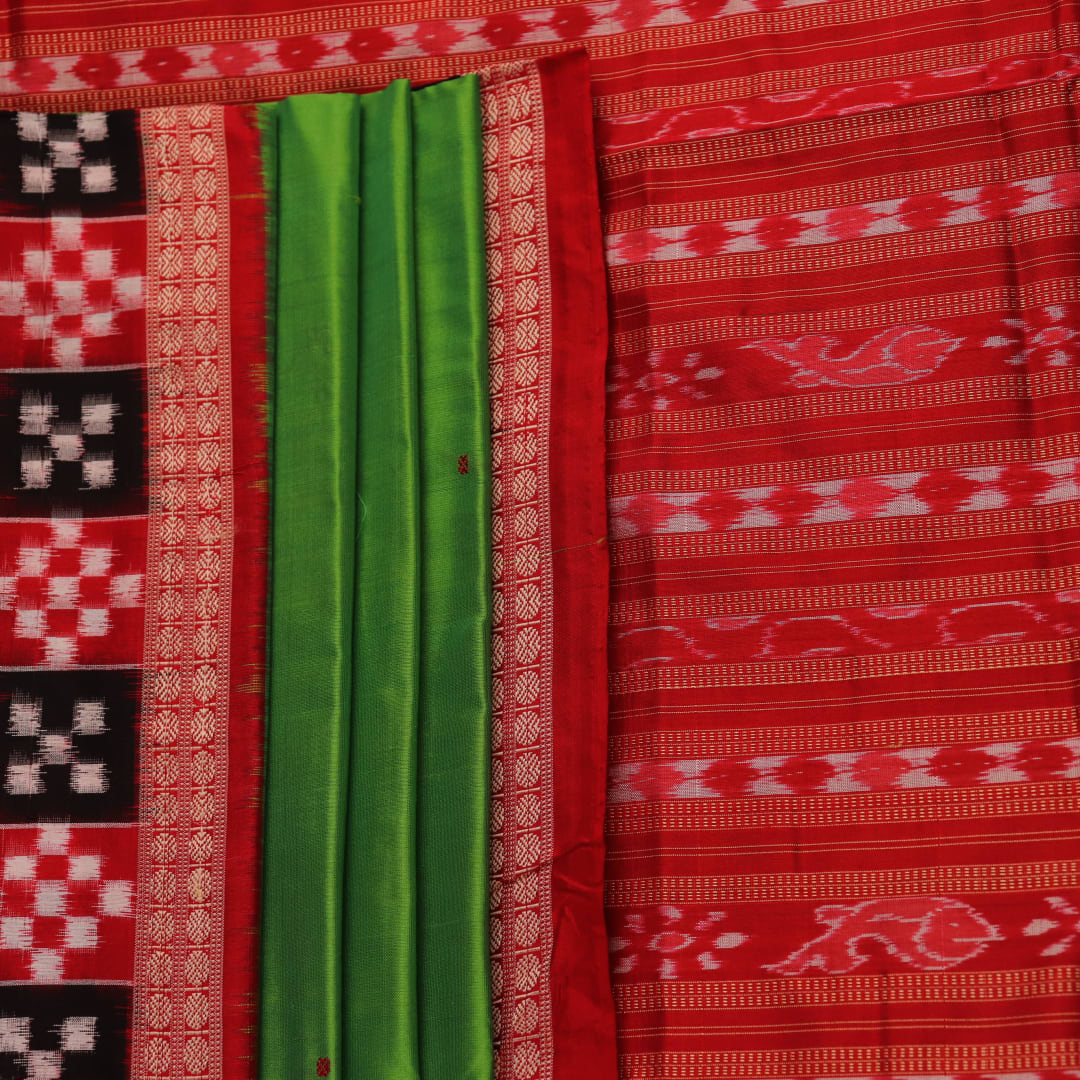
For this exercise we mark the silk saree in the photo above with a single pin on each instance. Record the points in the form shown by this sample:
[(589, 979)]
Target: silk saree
[(839, 241)]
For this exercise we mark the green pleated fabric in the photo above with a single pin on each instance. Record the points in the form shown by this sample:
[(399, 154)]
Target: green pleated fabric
[(376, 883), (455, 576), (381, 1032), (313, 157)]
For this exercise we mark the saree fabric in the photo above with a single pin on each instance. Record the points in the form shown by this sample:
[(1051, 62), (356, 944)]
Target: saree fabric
[(131, 637), (381, 607), (473, 557), (315, 166), (842, 666)]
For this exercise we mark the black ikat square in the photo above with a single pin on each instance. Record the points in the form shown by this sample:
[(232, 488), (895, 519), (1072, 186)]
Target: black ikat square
[(61, 161), (64, 1032), (72, 442), (68, 743)]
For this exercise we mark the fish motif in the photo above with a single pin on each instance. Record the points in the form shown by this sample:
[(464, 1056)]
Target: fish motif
[(929, 933), (899, 355)]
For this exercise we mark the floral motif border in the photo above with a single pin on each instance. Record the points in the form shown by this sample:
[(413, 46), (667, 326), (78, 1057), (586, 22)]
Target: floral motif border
[(177, 1024), (519, 301)]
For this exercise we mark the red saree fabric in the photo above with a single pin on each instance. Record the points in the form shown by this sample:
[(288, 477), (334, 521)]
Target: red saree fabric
[(548, 334), (841, 446), (130, 632), (842, 485)]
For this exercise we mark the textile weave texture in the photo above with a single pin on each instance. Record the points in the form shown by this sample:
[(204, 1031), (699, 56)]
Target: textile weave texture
[(375, 917), (131, 642), (841, 245)]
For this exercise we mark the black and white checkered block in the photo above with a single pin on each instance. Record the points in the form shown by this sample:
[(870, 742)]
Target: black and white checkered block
[(64, 1033), (72, 441), (68, 742), (62, 160)]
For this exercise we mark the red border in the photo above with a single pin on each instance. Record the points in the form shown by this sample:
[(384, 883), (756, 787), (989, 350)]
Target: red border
[(583, 1014), (247, 315)]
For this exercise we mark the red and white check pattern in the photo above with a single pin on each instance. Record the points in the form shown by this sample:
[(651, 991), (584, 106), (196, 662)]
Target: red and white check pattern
[(66, 903), (70, 286), (71, 591)]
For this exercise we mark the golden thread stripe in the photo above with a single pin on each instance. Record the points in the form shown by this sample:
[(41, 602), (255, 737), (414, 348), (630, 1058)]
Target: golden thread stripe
[(686, 850), (844, 884), (903, 459), (785, 812), (910, 276), (907, 731), (853, 1060), (903, 988), (919, 309), (843, 668), (857, 594), (853, 1028)]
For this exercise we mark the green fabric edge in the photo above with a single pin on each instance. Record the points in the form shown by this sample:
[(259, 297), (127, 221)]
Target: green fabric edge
[(316, 171), (381, 1038), (455, 677)]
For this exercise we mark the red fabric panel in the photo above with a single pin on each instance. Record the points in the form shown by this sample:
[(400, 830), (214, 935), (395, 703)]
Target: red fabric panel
[(248, 314), (842, 443), (583, 1021), (554, 1015)]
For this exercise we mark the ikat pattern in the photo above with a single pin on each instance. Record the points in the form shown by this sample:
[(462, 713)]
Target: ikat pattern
[(72, 591), (73, 533), (68, 745), (842, 489), (1040, 340), (63, 1033), (945, 209), (912, 910), (888, 495), (68, 904), (897, 934), (73, 444), (73, 296), (955, 765), (368, 43), (83, 162)]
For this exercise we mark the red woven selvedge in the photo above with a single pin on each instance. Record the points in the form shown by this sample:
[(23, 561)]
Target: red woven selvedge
[(553, 1011), (248, 324), (583, 1020)]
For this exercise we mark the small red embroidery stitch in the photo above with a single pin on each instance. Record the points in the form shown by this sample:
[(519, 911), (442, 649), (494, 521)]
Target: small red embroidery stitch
[(463, 464), (322, 1067)]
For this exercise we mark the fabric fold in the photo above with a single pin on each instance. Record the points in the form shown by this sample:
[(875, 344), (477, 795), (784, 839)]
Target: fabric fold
[(381, 1036), (554, 1014), (376, 907), (455, 585), (317, 172)]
